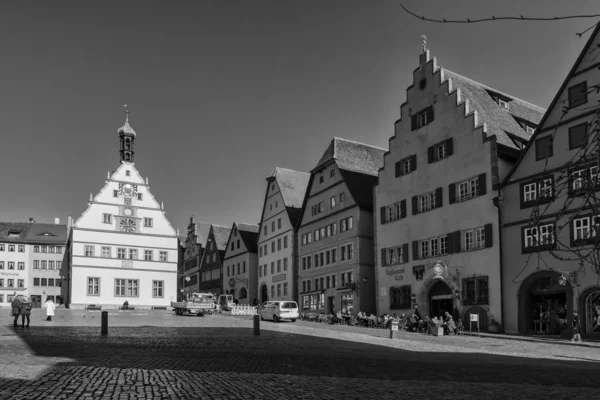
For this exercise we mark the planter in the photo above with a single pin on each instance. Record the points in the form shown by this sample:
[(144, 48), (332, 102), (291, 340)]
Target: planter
[(437, 331)]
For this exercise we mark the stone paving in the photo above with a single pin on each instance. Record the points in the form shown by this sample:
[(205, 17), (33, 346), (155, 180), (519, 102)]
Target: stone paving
[(157, 355)]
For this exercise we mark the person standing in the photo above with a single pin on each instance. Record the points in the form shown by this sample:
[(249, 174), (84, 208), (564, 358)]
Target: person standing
[(50, 306), (16, 310), (576, 328)]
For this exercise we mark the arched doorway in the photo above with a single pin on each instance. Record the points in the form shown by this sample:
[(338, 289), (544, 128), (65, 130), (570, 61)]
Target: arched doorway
[(264, 293), (440, 299), (543, 304), (589, 310)]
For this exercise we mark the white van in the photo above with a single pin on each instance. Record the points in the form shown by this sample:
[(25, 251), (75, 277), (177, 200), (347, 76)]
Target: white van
[(225, 302), (278, 310)]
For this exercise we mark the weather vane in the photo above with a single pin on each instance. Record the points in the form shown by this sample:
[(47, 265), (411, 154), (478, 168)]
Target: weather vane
[(126, 111), (424, 42)]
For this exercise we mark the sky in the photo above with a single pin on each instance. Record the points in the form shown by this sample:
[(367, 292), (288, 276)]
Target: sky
[(222, 92)]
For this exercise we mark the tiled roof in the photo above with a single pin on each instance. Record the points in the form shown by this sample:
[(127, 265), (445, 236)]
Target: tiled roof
[(293, 185), (354, 156), (499, 121), (24, 232), (221, 235), (249, 234)]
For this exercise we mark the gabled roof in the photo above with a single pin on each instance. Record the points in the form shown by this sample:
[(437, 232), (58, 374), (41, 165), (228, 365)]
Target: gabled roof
[(221, 235), (499, 120), (353, 156), (554, 102), (249, 234), (292, 184), (24, 232)]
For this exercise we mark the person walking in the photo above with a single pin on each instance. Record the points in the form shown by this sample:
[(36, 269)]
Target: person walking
[(50, 306), (16, 311), (25, 313), (576, 328)]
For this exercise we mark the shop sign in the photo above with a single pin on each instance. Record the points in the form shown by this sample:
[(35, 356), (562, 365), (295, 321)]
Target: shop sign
[(394, 271), (399, 277), (279, 278), (9, 273)]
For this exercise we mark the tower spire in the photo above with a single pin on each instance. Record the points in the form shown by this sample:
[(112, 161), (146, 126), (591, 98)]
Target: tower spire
[(127, 137), (423, 39)]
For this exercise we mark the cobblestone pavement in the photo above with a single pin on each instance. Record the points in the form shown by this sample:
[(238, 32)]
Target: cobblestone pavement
[(157, 355)]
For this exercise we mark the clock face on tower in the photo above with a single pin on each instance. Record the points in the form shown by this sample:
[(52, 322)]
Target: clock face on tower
[(128, 225)]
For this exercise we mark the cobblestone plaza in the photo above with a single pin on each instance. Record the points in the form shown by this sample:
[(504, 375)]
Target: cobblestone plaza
[(157, 355)]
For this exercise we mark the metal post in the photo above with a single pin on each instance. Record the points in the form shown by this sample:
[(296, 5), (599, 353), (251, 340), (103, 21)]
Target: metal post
[(257, 325), (104, 329), (393, 329)]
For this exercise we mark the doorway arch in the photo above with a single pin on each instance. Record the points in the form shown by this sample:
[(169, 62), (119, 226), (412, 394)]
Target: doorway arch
[(264, 293), (539, 293), (589, 311), (440, 299)]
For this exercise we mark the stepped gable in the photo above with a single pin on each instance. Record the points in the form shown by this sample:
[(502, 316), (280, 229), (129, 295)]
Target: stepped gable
[(249, 234), (496, 120), (359, 164)]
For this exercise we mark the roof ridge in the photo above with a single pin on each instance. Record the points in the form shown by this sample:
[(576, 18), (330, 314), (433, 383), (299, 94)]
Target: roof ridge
[(493, 89), (291, 170), (354, 141)]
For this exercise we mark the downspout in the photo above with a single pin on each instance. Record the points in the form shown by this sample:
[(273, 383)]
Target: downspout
[(498, 203)]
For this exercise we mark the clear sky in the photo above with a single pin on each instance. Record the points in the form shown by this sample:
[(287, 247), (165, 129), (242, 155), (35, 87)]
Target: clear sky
[(222, 92)]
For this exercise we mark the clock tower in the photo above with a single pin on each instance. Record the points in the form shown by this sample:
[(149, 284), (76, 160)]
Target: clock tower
[(127, 139)]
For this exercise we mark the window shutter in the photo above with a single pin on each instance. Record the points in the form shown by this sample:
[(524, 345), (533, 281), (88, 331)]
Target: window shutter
[(414, 205), (430, 154), (383, 264), (413, 162), (450, 243), (398, 169), (403, 209), (415, 246), (452, 193), (456, 241), (405, 253), (488, 235), (450, 146), (413, 122), (382, 215), (572, 233), (482, 185), (429, 112), (439, 200)]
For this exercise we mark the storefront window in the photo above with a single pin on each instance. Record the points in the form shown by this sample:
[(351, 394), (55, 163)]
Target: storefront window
[(400, 297), (347, 304), (475, 291)]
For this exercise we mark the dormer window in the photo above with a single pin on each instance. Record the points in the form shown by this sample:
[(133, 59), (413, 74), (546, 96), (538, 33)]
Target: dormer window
[(321, 179), (530, 129), (14, 234), (127, 172), (503, 103)]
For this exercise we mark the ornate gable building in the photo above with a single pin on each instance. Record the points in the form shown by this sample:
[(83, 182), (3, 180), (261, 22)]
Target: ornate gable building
[(122, 247), (437, 230), (550, 215), (336, 230), (211, 266), (240, 263), (192, 256), (277, 240)]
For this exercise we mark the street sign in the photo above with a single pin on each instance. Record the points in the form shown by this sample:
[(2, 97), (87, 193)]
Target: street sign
[(474, 317)]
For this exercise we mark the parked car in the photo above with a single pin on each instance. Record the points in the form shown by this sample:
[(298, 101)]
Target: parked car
[(225, 302), (279, 310)]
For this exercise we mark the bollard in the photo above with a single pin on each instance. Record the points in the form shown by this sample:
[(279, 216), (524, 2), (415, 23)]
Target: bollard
[(104, 329), (393, 329), (257, 325)]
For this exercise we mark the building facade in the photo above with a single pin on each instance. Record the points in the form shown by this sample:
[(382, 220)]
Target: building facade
[(122, 247), (277, 239), (192, 256), (336, 233), (180, 270), (211, 265), (437, 230), (240, 264), (550, 216), (30, 260)]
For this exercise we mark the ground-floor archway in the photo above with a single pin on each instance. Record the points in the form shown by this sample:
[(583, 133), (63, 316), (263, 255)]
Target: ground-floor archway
[(264, 293), (589, 311), (440, 299), (544, 303)]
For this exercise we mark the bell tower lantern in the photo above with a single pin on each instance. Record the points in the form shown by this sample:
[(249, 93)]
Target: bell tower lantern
[(127, 139)]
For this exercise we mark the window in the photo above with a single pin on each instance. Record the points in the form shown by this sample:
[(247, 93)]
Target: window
[(585, 230), (538, 238), (1, 264), (36, 249), (346, 224), (543, 148), (400, 297), (468, 189), (50, 264), (11, 282), (503, 103), (317, 209), (279, 244), (21, 248), (140, 197), (285, 285), (393, 212), (11, 265), (20, 283), (148, 255), (93, 288), (107, 218), (106, 253), (406, 165), (36, 264), (50, 281), (36, 282), (89, 251), (578, 94), (473, 239), (541, 191), (278, 223), (115, 193), (158, 288), (127, 172), (21, 266), (422, 118), (44, 249), (427, 201), (11, 247), (347, 252), (58, 264), (163, 256), (394, 255), (265, 229), (121, 253), (272, 226), (342, 197), (272, 290), (475, 291), (578, 135), (120, 285), (133, 254), (285, 242), (148, 222), (44, 264), (321, 179), (273, 246), (332, 202)]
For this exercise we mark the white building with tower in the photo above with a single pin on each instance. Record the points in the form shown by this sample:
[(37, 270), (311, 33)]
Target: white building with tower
[(122, 247)]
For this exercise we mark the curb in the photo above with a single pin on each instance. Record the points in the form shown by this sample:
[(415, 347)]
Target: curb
[(563, 342)]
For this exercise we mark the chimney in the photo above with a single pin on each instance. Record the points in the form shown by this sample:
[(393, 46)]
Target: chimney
[(31, 221), (56, 221)]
